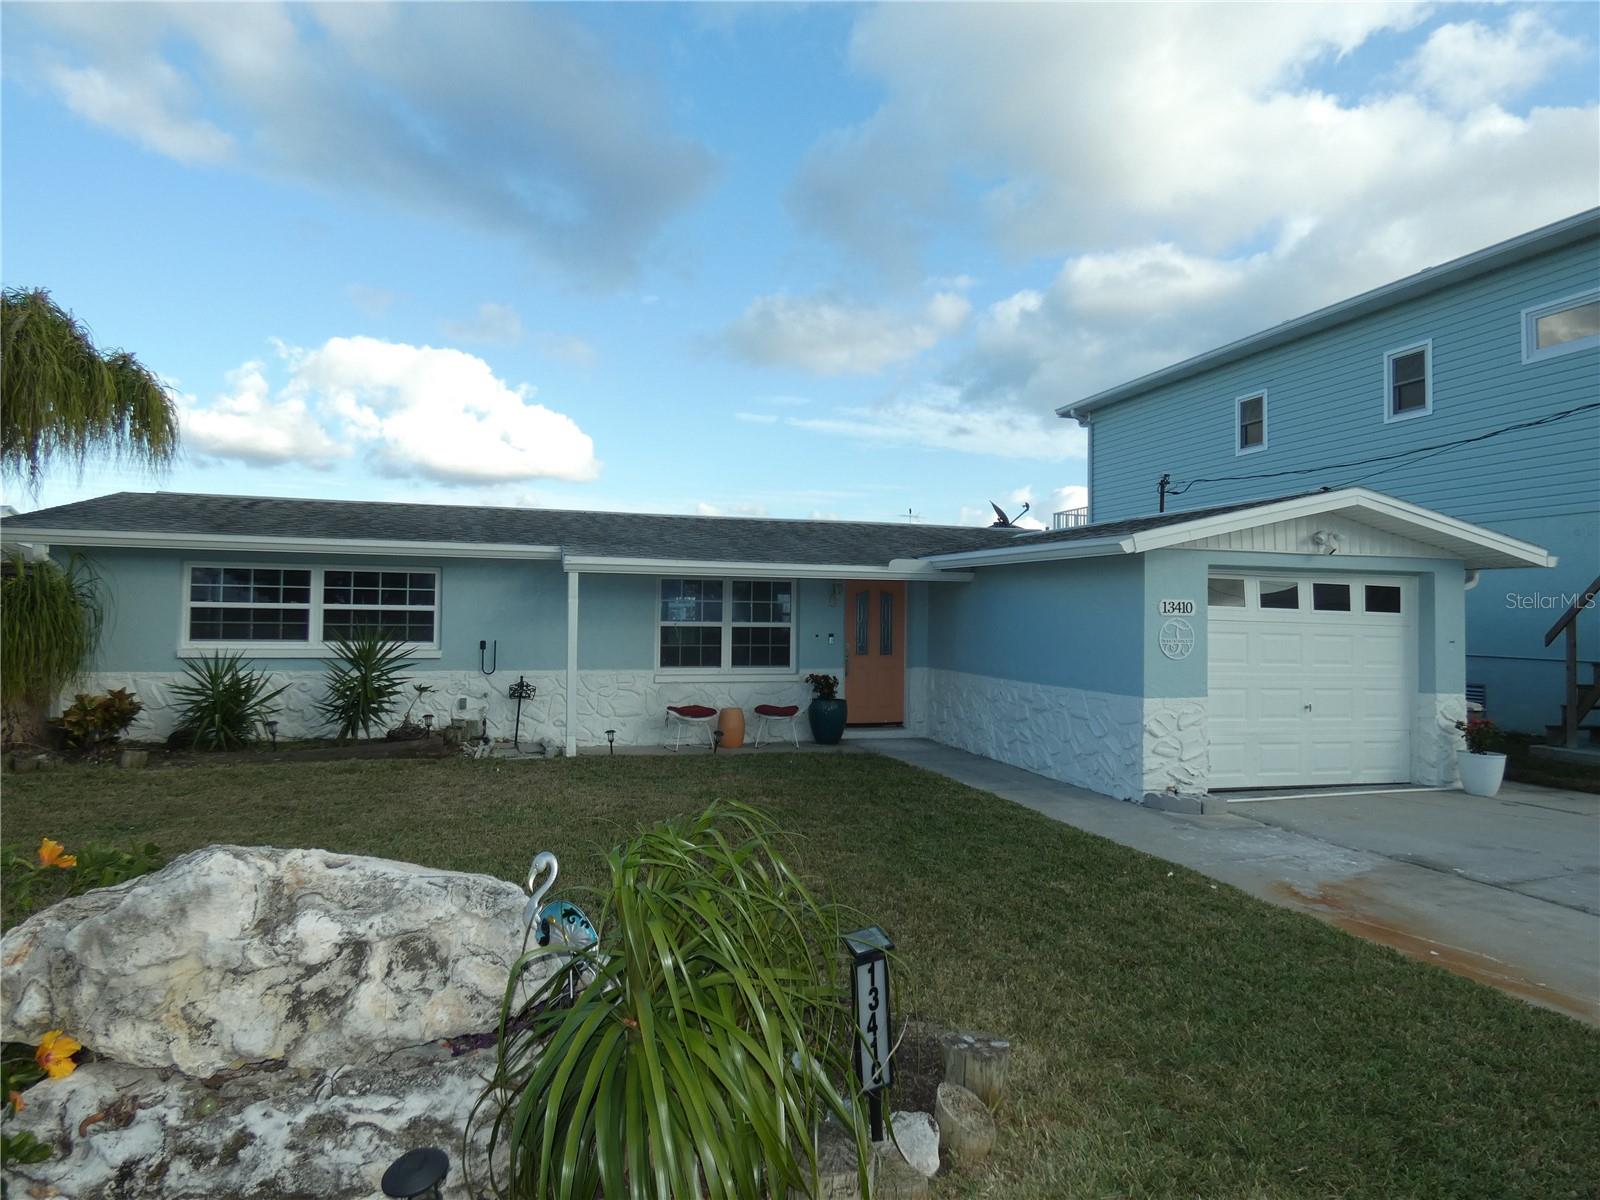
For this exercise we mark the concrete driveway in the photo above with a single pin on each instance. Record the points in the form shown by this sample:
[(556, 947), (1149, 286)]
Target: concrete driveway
[(1506, 891)]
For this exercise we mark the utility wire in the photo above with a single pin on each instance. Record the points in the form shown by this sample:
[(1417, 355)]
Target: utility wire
[(1178, 489)]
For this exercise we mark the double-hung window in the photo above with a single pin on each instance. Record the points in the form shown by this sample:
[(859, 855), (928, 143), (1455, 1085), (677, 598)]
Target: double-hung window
[(1408, 382), (294, 607), (736, 624), (1250, 423), (1561, 327)]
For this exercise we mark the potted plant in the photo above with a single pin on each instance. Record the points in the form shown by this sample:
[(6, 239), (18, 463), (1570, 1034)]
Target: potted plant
[(1481, 763), (827, 711)]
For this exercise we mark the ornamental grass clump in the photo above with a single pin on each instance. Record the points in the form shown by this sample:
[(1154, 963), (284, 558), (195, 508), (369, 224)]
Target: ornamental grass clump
[(50, 619), (708, 1039)]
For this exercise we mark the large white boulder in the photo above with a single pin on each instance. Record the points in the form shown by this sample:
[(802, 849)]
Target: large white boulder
[(233, 955)]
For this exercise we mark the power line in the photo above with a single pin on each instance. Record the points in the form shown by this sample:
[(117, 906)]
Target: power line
[(1178, 489)]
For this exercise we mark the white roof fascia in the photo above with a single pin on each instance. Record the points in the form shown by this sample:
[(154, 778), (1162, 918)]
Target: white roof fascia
[(900, 568), (1038, 552), (123, 539)]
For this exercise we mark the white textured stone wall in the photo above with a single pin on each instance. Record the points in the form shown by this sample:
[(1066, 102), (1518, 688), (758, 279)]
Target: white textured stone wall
[(1435, 738), (1177, 748), (1095, 740), (631, 702)]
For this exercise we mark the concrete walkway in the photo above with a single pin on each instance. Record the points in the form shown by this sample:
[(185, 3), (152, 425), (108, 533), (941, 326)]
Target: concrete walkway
[(1506, 891)]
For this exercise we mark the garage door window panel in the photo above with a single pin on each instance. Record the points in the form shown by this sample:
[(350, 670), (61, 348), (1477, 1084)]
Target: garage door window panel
[(1330, 597), (1280, 594), (1382, 598)]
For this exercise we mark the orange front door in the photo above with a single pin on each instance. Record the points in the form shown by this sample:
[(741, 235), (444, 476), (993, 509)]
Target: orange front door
[(875, 652)]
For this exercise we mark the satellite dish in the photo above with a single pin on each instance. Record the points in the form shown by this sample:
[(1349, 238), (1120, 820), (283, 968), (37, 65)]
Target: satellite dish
[(1001, 521)]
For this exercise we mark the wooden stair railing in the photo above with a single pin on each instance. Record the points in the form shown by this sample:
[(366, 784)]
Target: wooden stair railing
[(1581, 699)]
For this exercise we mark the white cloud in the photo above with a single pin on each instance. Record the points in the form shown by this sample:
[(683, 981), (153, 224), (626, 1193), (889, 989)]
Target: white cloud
[(247, 424), (1467, 64), (743, 509), (494, 324), (829, 336), (1073, 495), (937, 418), (409, 411), (1191, 127), (509, 118)]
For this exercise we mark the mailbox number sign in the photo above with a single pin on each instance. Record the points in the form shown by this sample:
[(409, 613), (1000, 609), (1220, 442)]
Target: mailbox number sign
[(872, 1018)]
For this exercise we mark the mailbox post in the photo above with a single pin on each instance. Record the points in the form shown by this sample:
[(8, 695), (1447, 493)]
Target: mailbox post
[(869, 993)]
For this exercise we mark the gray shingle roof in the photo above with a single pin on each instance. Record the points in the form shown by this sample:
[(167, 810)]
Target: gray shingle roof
[(622, 535), (1117, 529)]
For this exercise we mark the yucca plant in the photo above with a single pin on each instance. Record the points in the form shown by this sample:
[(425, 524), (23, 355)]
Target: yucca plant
[(66, 399), (222, 702), (50, 618), (363, 681), (708, 1039)]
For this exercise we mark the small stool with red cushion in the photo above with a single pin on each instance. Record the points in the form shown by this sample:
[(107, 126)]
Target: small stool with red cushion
[(682, 717), (778, 712)]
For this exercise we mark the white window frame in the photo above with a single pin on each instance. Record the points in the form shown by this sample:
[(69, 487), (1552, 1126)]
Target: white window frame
[(1389, 415), (1531, 351), (1238, 422), (727, 669), (314, 646)]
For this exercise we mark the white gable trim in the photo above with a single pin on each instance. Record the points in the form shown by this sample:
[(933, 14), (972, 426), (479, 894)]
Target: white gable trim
[(1476, 546)]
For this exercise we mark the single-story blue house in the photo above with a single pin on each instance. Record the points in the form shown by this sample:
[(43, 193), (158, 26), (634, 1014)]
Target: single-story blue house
[(1313, 639)]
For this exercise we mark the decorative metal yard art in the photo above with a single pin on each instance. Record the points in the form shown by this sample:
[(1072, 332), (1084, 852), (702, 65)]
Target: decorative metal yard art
[(560, 923), (519, 691), (869, 993)]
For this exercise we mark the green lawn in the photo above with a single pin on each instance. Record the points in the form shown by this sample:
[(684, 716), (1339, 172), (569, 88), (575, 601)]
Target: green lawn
[(1175, 1038)]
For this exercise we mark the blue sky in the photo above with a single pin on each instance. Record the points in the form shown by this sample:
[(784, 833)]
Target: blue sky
[(784, 260)]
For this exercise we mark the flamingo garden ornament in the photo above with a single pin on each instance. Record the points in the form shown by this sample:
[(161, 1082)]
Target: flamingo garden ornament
[(571, 927)]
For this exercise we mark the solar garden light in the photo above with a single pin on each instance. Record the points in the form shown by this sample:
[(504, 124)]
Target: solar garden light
[(869, 998), (716, 740), (272, 732), (427, 722), (611, 741), (417, 1173)]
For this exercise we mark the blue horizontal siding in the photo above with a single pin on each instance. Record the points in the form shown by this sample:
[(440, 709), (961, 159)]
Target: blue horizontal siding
[(1326, 405)]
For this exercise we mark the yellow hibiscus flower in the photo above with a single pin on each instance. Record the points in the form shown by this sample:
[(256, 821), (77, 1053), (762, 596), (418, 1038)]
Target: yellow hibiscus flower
[(55, 1054)]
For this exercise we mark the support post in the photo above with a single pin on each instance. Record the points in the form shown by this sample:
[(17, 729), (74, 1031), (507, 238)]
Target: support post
[(572, 664), (1569, 711)]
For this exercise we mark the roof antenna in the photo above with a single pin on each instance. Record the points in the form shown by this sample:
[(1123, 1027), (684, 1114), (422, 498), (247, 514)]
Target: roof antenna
[(913, 517), (1001, 521)]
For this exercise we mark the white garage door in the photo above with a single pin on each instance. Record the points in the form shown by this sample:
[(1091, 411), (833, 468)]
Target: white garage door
[(1311, 678)]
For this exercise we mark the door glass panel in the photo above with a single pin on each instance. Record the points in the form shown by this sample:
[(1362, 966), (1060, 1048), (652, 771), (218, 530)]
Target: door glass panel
[(1225, 593), (1330, 597), (1280, 593), (1383, 598), (885, 622), (861, 621)]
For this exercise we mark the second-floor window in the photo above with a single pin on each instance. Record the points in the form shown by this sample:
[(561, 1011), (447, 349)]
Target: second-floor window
[(1408, 377), (1561, 327), (1251, 423)]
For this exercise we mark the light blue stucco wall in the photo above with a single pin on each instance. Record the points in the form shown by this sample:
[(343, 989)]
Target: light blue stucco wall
[(1065, 624), (1325, 406)]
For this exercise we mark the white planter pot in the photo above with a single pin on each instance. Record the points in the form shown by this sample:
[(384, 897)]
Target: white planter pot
[(1481, 773)]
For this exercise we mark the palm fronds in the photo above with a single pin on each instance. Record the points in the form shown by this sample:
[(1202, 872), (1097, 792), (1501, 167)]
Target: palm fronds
[(50, 618), (222, 702), (65, 399), (363, 681), (708, 1039)]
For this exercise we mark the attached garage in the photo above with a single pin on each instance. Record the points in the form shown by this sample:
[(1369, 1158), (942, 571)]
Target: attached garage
[(1311, 679)]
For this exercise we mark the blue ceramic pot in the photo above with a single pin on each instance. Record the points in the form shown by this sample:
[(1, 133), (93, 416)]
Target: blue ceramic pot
[(827, 721)]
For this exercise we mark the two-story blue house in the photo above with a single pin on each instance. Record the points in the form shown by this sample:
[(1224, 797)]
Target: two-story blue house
[(1471, 388)]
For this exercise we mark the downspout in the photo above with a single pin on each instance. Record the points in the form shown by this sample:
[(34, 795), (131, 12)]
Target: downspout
[(1472, 578), (572, 664)]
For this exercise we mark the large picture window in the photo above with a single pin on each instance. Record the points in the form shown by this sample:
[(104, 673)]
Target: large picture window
[(709, 624), (306, 607)]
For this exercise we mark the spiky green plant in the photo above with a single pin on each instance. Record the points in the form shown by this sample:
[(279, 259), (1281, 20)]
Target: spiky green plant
[(222, 702), (50, 618), (66, 399), (363, 681), (708, 1039)]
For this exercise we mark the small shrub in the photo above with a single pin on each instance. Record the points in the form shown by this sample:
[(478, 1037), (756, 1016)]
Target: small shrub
[(708, 1038), (363, 682), (824, 687), (52, 624), (93, 723), (222, 702), (1481, 736)]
